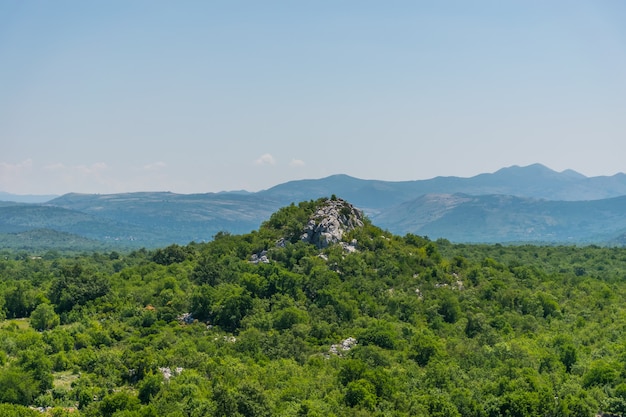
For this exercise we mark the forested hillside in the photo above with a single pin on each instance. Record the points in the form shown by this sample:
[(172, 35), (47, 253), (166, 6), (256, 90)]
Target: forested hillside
[(266, 324)]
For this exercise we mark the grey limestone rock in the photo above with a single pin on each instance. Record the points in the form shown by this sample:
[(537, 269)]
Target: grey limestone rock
[(328, 225), (260, 257)]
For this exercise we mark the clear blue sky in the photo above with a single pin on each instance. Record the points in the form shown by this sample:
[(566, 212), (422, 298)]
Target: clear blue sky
[(199, 96)]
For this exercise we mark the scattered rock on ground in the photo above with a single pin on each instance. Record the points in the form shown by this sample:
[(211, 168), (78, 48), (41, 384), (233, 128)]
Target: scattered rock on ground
[(344, 346)]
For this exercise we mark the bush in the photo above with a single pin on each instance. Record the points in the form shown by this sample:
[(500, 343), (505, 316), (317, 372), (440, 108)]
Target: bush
[(360, 392), (600, 373), (44, 318)]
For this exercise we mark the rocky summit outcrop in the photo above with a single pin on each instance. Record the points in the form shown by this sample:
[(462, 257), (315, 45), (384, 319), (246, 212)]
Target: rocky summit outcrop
[(330, 222)]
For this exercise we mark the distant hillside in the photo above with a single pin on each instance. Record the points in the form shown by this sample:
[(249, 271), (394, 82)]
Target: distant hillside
[(515, 204), (24, 217), (43, 240), (25, 198), (164, 218), (498, 218)]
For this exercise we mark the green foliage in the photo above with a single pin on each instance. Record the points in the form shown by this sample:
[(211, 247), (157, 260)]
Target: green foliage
[(171, 254), (21, 298), (380, 335), (424, 346), (568, 356), (440, 329), (360, 393), (9, 410), (116, 402), (207, 271), (17, 387), (44, 317), (449, 308), (150, 387), (290, 221), (76, 287), (600, 373), (231, 304)]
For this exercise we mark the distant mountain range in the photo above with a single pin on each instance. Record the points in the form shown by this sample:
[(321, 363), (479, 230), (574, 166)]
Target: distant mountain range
[(515, 204), (533, 181)]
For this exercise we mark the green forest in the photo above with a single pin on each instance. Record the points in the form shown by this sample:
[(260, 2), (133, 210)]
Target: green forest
[(264, 324)]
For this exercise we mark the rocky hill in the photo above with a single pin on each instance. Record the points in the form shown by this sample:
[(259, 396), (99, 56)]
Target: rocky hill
[(331, 221)]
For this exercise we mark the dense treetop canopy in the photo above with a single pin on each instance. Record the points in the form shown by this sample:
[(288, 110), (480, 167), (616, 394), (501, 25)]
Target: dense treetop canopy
[(264, 324)]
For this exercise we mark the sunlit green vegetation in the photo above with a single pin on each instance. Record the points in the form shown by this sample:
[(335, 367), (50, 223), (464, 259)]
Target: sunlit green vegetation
[(440, 329)]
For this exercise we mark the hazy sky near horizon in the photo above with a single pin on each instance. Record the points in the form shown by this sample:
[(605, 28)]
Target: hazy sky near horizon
[(200, 96)]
